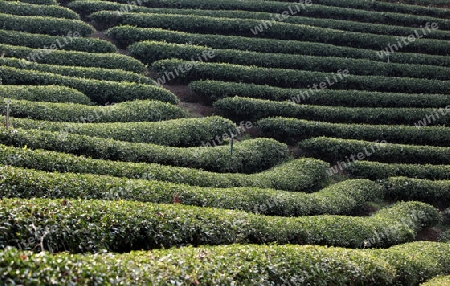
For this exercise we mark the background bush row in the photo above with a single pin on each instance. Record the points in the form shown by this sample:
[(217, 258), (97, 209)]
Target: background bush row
[(45, 93), (26, 9), (248, 156), (292, 130), (98, 91), (334, 149), (122, 226)]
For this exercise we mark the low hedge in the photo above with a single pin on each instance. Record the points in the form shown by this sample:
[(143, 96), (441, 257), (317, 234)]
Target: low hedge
[(276, 30), (346, 198), (403, 188), (183, 132), (44, 25), (333, 149), (294, 78), (300, 175), (438, 281), (125, 35), (241, 108), (40, 2), (82, 72), (98, 91), (73, 58), (211, 90), (130, 111), (377, 170), (292, 130), (68, 42), (45, 93), (25, 9), (407, 264), (122, 226), (249, 156)]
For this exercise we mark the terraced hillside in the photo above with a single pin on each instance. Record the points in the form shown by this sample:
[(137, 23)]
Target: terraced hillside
[(228, 142)]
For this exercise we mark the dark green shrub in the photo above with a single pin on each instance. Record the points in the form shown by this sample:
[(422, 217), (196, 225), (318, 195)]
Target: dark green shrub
[(47, 93), (25, 9)]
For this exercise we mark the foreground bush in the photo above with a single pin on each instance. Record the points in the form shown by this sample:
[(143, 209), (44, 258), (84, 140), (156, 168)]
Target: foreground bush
[(98, 91), (292, 130), (184, 132), (407, 264), (130, 111), (346, 198), (211, 90), (121, 226), (47, 93), (248, 156), (300, 175), (334, 149), (438, 281)]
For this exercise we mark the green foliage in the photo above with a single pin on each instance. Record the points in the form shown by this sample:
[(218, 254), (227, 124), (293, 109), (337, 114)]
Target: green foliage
[(438, 281), (249, 156), (130, 111), (403, 188), (292, 130), (73, 58), (40, 2), (25, 9), (98, 91), (47, 93), (121, 226), (333, 149), (38, 41), (44, 25)]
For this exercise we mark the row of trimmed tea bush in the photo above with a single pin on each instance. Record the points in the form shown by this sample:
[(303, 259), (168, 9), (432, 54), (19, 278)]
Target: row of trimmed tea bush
[(151, 51), (129, 111), (377, 170), (345, 198), (240, 108), (403, 188), (125, 35), (81, 72), (211, 90), (44, 25), (98, 91), (184, 132), (299, 175), (249, 156), (295, 78), (46, 93), (292, 130), (438, 281), (277, 30), (69, 42), (73, 58), (334, 149), (407, 264), (26, 9), (122, 226), (88, 7), (39, 2)]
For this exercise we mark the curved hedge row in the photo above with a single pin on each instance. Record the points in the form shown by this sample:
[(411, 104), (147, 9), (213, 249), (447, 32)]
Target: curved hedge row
[(300, 175), (121, 226), (248, 156), (73, 58), (277, 30), (38, 41), (40, 2), (345, 198), (239, 108), (151, 51), (403, 188), (81, 72), (292, 130), (44, 25), (438, 281), (211, 90), (184, 132), (377, 170), (296, 78), (129, 111), (407, 264), (25, 9), (98, 91), (47, 93), (334, 149)]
